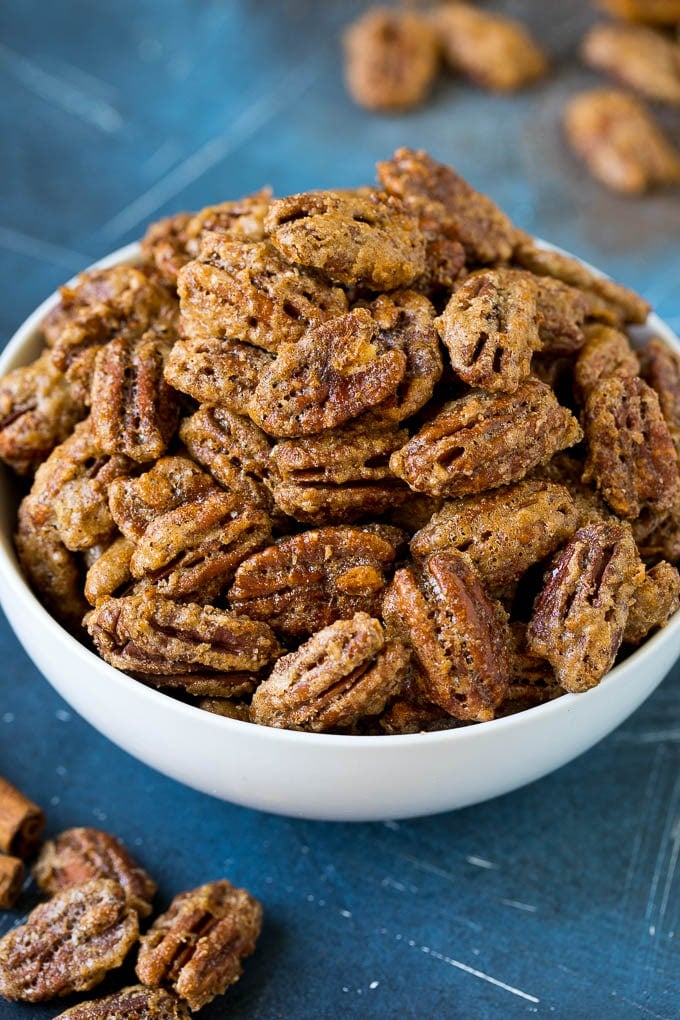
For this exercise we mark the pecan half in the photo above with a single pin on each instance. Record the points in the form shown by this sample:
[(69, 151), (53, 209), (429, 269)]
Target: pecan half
[(170, 483), (580, 615), (68, 944), (196, 947), (342, 673), (134, 1003), (655, 601), (607, 352), (78, 855), (562, 311), (110, 571), (351, 238), (307, 581), (220, 686), (631, 457), (660, 368), (638, 57), (458, 636), (651, 12), (660, 537), (217, 371), (147, 633), (483, 440)]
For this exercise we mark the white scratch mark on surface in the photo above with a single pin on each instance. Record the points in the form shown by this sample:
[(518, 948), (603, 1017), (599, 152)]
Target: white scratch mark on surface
[(88, 82), (345, 913), (160, 161), (518, 905), (478, 974), (391, 883), (670, 736), (62, 715), (61, 93), (373, 985), (672, 865), (242, 128), (670, 834), (394, 826), (8, 717), (42, 251), (480, 862)]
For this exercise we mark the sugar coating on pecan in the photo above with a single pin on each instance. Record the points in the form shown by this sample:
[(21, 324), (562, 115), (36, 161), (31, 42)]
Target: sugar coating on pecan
[(391, 58), (562, 311), (651, 12), (496, 52), (407, 715), (228, 708), (655, 601), (342, 673), (458, 636), (216, 371), (110, 571), (78, 855), (660, 368), (352, 239), (238, 290), (37, 413), (532, 678), (607, 352), (137, 1002), (580, 615), (637, 57), (631, 457), (164, 246), (661, 539), (307, 581), (68, 944), (196, 947), (172, 481), (484, 440), (490, 329), (502, 532), (619, 142), (223, 686), (152, 634)]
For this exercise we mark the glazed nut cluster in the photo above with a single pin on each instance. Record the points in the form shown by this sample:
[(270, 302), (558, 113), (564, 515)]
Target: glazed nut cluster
[(366, 461)]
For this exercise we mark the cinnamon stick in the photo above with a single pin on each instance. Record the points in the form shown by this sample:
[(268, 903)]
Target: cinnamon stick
[(21, 822), (11, 879)]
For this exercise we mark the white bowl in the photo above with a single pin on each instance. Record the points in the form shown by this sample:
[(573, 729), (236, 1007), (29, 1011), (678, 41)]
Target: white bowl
[(312, 775)]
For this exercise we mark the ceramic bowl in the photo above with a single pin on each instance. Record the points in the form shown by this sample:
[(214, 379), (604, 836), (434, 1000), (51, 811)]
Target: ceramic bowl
[(307, 775)]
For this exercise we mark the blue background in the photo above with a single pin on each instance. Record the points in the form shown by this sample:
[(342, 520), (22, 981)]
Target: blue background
[(561, 899)]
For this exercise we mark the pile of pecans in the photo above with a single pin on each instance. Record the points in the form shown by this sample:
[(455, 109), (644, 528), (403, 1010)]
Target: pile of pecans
[(305, 464)]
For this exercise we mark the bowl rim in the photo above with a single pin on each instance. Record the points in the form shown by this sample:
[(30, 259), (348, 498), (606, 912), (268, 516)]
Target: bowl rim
[(10, 357)]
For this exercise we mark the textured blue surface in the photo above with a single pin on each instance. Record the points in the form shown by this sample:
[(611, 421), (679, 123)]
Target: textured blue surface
[(559, 900)]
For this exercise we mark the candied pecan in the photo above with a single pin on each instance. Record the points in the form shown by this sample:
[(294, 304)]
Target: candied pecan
[(196, 947), (391, 58), (655, 601), (496, 52), (338, 371), (660, 368), (353, 239), (195, 548), (415, 513), (110, 571), (485, 440), (215, 371), (580, 615), (447, 206), (170, 483), (532, 678), (562, 311), (307, 581), (490, 329), (342, 673), (406, 715), (502, 532), (637, 57), (653, 12), (164, 246), (458, 636), (607, 352), (37, 412), (237, 290), (339, 475), (226, 707), (78, 855), (662, 539), (203, 685), (69, 943), (631, 457), (234, 451), (134, 410), (151, 634), (134, 1003), (620, 143)]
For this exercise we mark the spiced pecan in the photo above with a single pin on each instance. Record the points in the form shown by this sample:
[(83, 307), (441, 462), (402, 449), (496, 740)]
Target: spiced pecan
[(415, 512), (483, 440), (342, 673), (502, 532), (170, 483), (134, 1003), (339, 475), (580, 615), (562, 312), (458, 636), (391, 59), (68, 944), (335, 373), (37, 413), (307, 581), (164, 246), (637, 57), (655, 601), (109, 572), (221, 686), (490, 329), (651, 12), (416, 715), (631, 457), (620, 143), (496, 52), (216, 371), (660, 368), (196, 947), (238, 290), (226, 707), (151, 634), (78, 855), (607, 352), (532, 679), (351, 238)]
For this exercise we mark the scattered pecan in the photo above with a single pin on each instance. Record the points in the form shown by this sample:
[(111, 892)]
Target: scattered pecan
[(637, 57), (342, 673), (458, 636), (580, 615), (68, 944), (483, 440), (660, 368), (652, 12), (655, 601), (196, 947), (78, 855), (215, 371), (134, 1003), (607, 352)]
